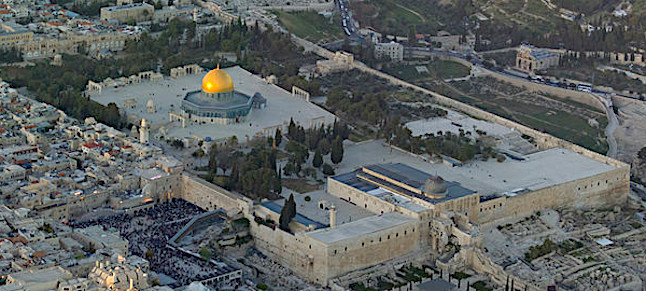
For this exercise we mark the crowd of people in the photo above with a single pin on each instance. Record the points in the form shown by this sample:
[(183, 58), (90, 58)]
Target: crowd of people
[(148, 231)]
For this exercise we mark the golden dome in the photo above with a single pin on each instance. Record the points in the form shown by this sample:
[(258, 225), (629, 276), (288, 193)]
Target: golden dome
[(217, 81)]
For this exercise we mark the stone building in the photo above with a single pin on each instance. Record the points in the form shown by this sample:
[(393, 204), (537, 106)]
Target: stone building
[(13, 36), (131, 12), (390, 50), (530, 59)]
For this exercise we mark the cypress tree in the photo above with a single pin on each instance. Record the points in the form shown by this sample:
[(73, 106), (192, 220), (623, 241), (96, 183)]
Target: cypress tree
[(279, 137), (337, 150), (318, 159), (287, 213)]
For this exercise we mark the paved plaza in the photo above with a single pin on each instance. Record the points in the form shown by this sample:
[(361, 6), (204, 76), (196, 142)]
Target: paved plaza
[(454, 122), (167, 96)]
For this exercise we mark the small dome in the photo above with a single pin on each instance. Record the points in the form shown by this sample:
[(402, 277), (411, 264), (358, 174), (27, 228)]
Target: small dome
[(217, 81), (435, 185), (150, 103)]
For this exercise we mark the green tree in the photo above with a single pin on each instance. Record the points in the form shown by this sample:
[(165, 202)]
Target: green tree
[(278, 185), (205, 253), (328, 170), (337, 150), (412, 35), (287, 213), (317, 161), (278, 138), (149, 254)]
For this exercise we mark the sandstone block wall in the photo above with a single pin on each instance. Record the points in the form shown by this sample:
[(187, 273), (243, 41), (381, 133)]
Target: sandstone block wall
[(372, 249), (211, 197), (292, 251), (598, 191)]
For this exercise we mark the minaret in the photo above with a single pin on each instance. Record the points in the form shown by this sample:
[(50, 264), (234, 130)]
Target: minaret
[(332, 216), (144, 132)]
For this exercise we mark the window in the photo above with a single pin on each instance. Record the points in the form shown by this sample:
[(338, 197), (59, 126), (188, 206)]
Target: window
[(405, 232), (363, 244), (397, 234)]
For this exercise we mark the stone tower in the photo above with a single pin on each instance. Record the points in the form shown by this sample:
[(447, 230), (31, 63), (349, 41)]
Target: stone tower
[(332, 216), (144, 132)]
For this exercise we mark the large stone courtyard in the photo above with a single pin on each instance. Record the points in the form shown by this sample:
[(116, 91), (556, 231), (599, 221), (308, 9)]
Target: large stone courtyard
[(167, 96)]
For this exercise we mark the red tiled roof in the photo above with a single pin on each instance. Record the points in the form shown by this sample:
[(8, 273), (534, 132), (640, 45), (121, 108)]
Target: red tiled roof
[(39, 254), (91, 145)]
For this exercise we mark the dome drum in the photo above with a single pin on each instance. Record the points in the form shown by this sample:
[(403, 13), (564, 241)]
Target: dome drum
[(217, 102), (435, 187)]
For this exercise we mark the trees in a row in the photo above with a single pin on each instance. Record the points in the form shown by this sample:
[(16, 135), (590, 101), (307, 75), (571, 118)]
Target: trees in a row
[(321, 140), (460, 146)]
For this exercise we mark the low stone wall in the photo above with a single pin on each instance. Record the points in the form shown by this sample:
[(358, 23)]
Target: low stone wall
[(326, 6)]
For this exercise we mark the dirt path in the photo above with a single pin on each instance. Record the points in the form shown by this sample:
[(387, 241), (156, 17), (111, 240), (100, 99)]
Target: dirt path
[(412, 11)]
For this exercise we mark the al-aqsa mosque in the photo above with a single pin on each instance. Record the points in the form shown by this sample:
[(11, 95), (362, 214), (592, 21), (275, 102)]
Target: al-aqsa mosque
[(218, 102)]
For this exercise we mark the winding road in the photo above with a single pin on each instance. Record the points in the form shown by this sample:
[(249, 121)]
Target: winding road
[(613, 122)]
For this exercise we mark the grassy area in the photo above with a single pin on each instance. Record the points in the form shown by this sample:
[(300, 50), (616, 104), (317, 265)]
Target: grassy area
[(504, 59), (299, 185), (560, 124), (438, 69), (387, 15), (310, 25), (449, 69), (510, 6), (481, 286), (537, 7)]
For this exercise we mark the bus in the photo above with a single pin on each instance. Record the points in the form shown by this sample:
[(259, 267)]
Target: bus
[(584, 87)]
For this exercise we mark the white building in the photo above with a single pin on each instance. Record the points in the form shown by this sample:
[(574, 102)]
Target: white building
[(391, 50)]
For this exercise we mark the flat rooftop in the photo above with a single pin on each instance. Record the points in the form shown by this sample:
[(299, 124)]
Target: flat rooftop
[(133, 6), (401, 173), (167, 95), (365, 226), (538, 170), (46, 275), (346, 211)]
